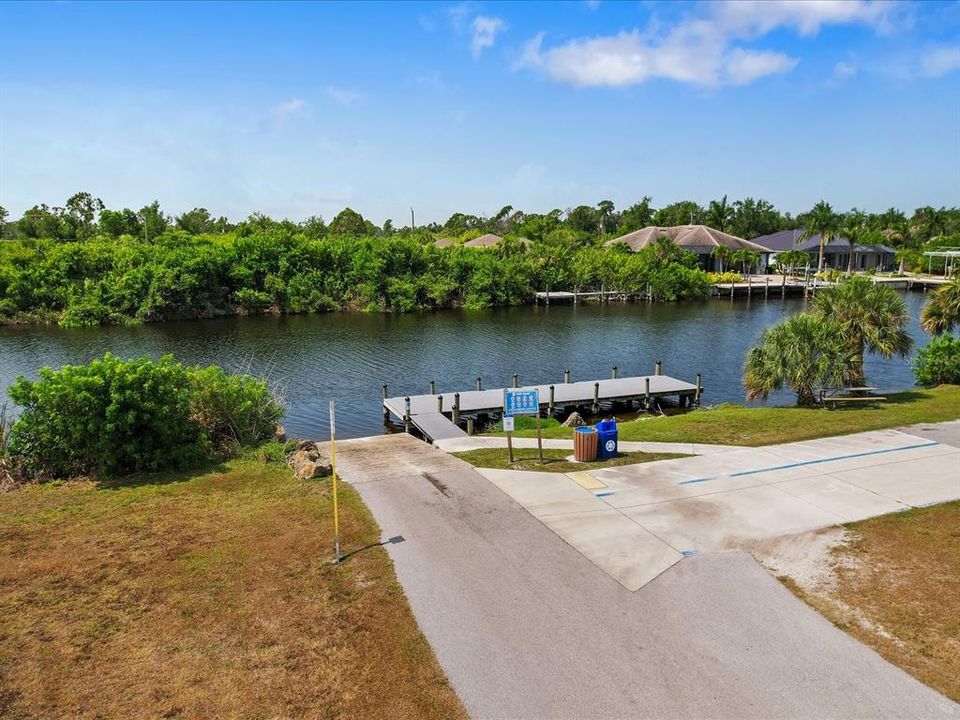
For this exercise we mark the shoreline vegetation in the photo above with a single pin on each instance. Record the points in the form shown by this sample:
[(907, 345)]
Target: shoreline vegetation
[(86, 265), (147, 516)]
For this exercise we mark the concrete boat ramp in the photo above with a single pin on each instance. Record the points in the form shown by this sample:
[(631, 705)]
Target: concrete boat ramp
[(515, 583), (438, 416)]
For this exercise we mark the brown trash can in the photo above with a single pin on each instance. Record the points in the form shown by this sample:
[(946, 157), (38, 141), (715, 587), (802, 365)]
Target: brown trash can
[(584, 444)]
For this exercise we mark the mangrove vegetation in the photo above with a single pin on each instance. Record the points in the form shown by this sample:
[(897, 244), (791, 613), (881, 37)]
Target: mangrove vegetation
[(85, 264)]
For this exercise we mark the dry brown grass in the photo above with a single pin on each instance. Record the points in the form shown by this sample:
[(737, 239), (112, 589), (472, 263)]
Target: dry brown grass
[(897, 589), (204, 596)]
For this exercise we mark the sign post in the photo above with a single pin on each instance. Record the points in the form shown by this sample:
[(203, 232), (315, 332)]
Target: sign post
[(521, 402), (539, 438), (508, 427), (333, 467)]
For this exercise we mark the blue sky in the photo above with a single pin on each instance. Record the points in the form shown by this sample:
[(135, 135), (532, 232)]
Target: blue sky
[(301, 109)]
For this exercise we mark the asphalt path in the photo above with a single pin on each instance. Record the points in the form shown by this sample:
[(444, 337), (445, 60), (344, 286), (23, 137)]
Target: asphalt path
[(947, 433), (526, 627)]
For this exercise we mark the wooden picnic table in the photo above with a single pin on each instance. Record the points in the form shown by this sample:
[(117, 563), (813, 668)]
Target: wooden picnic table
[(829, 397)]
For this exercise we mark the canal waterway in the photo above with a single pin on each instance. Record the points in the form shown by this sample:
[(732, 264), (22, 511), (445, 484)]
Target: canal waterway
[(348, 356)]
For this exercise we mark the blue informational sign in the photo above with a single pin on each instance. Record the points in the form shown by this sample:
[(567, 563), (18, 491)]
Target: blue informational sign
[(521, 402)]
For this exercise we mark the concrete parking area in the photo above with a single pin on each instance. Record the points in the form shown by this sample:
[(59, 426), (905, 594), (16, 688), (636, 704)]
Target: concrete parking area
[(636, 521), (525, 626)]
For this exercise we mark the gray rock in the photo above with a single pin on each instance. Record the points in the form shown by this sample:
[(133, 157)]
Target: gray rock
[(574, 420), (308, 461)]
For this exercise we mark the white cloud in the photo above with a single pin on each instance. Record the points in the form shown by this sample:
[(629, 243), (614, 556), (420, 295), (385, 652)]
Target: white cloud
[(700, 49), (939, 61), (742, 67), (343, 96), (631, 58), (485, 30), (285, 109), (758, 17), (842, 71)]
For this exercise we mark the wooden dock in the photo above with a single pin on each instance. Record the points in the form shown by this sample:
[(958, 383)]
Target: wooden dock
[(767, 286), (438, 416)]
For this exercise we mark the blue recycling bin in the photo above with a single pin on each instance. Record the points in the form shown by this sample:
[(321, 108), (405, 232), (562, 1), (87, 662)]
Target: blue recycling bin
[(606, 439)]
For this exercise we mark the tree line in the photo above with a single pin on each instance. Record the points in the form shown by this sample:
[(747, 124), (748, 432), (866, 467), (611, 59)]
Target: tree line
[(84, 216), (85, 264), (178, 275)]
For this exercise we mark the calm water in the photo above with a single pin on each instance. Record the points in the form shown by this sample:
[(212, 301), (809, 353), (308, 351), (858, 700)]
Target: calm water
[(346, 357)]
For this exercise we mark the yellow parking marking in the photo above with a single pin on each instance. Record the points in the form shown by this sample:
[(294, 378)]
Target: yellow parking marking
[(586, 480)]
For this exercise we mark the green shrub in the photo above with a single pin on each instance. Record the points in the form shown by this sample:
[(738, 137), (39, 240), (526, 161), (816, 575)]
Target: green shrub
[(725, 277), (939, 362), (831, 275), (232, 410), (107, 417), (113, 416), (252, 301)]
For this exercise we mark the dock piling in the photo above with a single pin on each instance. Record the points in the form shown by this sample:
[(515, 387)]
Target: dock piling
[(658, 368), (479, 383), (566, 376), (439, 416), (515, 376), (766, 288), (433, 387), (386, 412)]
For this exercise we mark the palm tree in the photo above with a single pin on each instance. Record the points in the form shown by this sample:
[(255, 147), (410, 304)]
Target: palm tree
[(719, 214), (722, 253), (605, 210), (790, 259), (804, 352), (746, 257), (822, 221), (854, 229), (872, 318), (942, 310)]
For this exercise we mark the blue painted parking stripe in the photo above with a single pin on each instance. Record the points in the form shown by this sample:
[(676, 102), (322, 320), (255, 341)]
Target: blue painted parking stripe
[(835, 458), (832, 459)]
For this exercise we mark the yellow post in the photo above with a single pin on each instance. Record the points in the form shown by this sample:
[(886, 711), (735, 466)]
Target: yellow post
[(333, 468)]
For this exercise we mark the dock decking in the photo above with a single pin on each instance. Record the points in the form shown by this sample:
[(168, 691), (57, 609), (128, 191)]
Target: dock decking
[(437, 416)]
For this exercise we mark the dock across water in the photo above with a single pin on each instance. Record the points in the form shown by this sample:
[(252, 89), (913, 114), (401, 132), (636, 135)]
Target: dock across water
[(438, 416)]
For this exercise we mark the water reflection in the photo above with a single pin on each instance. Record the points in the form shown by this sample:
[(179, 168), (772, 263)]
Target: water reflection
[(347, 357)]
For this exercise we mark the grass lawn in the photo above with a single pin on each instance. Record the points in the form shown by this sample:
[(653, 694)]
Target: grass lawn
[(204, 595), (738, 425), (553, 460), (898, 590)]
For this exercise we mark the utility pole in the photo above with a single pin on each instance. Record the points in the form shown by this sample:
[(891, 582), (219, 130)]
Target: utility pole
[(413, 222)]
